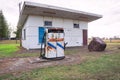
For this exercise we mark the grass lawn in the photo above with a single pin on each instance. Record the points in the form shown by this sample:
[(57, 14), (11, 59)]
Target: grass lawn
[(7, 50), (104, 67)]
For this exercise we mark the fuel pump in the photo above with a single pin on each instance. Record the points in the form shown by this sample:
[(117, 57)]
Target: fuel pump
[(53, 41)]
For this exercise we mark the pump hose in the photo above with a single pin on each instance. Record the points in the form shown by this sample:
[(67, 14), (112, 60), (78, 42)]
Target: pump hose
[(41, 46)]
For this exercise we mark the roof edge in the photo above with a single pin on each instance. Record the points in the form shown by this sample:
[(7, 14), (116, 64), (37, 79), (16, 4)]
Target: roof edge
[(28, 3), (60, 8)]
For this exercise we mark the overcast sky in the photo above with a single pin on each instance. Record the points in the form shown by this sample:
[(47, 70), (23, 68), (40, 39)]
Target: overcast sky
[(108, 26)]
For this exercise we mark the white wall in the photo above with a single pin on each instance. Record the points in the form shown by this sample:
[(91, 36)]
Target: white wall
[(72, 35), (34, 21), (31, 26), (57, 22), (84, 25)]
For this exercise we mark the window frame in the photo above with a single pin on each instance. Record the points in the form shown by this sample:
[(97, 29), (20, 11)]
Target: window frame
[(76, 25), (47, 23)]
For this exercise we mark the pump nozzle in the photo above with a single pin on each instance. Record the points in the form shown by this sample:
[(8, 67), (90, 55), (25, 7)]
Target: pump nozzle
[(65, 45)]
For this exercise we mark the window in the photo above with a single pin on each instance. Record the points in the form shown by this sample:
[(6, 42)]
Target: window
[(76, 25), (24, 34), (47, 23)]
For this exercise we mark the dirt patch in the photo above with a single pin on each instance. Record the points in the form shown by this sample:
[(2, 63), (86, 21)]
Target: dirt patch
[(23, 50), (18, 65), (24, 64)]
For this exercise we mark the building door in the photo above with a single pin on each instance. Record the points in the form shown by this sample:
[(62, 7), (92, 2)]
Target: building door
[(84, 37)]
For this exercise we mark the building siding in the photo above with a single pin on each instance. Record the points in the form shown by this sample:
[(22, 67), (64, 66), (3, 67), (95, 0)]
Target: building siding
[(73, 36)]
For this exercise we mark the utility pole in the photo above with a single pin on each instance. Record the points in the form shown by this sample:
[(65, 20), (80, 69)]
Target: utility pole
[(20, 8), (20, 30)]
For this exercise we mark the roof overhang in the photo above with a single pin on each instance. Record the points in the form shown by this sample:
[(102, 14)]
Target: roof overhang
[(30, 8)]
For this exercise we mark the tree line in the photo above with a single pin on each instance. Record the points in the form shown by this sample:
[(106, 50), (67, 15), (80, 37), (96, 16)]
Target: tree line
[(4, 28), (4, 32)]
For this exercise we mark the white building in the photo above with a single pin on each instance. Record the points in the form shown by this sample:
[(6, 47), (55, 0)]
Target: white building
[(35, 15)]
